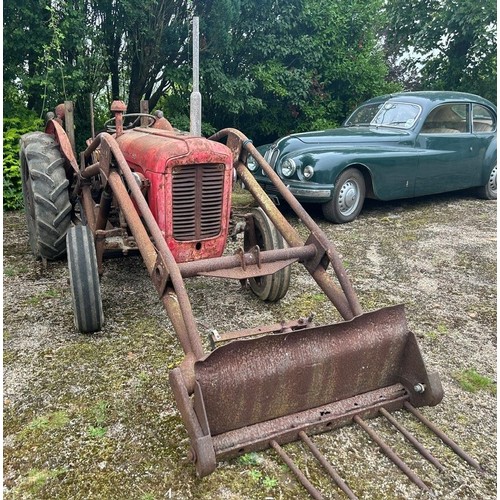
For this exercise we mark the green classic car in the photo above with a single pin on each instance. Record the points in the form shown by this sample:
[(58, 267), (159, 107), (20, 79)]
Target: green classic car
[(394, 146)]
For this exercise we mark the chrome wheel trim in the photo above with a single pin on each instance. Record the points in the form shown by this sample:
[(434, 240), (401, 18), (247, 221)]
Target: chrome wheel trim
[(349, 197), (492, 181)]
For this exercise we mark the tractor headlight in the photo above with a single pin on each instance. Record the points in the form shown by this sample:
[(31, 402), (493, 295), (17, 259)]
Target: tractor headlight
[(252, 165), (288, 167), (308, 171)]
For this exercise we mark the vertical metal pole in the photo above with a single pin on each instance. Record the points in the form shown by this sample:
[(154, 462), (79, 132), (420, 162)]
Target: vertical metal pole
[(144, 108), (69, 123), (195, 100), (92, 124)]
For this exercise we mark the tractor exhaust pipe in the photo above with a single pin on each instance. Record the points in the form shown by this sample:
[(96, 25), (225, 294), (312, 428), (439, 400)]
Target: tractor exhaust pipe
[(195, 100)]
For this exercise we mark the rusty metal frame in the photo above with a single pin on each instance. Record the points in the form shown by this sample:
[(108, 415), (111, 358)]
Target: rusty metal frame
[(317, 254), (117, 181), (166, 274), (344, 298)]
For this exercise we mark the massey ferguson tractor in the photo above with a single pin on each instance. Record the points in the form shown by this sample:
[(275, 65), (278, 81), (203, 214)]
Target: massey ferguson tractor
[(144, 186)]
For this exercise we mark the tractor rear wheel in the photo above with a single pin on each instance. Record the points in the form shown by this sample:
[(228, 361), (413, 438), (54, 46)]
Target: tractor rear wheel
[(272, 287), (84, 280), (46, 195)]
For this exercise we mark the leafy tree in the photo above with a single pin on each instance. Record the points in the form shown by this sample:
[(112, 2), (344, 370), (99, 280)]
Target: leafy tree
[(24, 36), (291, 66), (156, 37), (451, 44)]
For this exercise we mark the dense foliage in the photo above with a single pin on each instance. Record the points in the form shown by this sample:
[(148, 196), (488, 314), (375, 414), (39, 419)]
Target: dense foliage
[(267, 67), (449, 44), (13, 129), (293, 66)]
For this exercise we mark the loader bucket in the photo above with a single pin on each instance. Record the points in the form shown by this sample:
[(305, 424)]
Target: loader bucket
[(250, 393)]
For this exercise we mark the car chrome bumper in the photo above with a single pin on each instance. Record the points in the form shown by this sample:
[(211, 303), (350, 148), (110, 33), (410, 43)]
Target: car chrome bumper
[(311, 194)]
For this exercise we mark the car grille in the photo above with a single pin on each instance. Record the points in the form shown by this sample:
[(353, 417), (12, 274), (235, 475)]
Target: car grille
[(197, 192), (271, 156), (271, 188)]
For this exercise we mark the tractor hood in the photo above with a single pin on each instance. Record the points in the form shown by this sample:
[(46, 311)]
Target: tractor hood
[(153, 150)]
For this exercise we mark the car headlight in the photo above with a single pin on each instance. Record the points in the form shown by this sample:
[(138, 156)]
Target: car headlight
[(308, 171), (252, 165), (288, 167)]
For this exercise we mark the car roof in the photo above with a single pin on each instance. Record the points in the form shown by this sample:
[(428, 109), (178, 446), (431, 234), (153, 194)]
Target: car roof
[(432, 97)]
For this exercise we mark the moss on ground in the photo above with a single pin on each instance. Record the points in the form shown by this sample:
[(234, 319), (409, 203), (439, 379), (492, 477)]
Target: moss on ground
[(93, 416)]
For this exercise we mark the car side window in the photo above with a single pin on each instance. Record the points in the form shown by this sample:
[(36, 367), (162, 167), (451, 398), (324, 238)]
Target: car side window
[(447, 119), (483, 119)]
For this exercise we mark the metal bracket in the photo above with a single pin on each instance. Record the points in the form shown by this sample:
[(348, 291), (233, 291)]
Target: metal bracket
[(241, 254), (160, 275), (255, 251), (321, 257)]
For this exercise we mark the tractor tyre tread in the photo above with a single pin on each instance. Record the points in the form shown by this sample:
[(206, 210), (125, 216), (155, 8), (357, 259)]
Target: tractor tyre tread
[(45, 193), (274, 287), (84, 280)]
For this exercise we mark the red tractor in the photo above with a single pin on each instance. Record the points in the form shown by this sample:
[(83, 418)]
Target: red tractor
[(167, 194)]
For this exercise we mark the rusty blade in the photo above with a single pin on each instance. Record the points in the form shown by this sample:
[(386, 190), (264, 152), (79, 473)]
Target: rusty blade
[(256, 380)]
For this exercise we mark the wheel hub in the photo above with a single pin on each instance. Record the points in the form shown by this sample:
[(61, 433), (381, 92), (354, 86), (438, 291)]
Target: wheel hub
[(349, 197), (492, 181)]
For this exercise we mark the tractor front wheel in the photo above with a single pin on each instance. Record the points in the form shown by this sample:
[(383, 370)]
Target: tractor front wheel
[(84, 280), (272, 287), (46, 195)]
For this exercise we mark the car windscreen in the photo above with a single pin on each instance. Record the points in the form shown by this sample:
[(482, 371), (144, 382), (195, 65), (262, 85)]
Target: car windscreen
[(363, 115), (396, 114)]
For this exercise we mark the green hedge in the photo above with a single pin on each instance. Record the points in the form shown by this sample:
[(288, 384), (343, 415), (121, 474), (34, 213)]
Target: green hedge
[(13, 129)]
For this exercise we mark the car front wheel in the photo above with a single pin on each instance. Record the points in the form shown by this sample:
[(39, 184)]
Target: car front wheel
[(489, 190), (348, 197)]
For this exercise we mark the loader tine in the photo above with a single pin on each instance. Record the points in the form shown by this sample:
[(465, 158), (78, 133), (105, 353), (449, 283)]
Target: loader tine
[(330, 469), (391, 453), (300, 475), (441, 435), (413, 440)]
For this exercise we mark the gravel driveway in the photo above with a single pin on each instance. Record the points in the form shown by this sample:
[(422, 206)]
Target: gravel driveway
[(94, 417)]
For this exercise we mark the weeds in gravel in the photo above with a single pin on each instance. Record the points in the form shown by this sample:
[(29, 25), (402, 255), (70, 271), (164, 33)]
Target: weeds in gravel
[(11, 271), (47, 422), (472, 381), (250, 459), (267, 482), (96, 432), (37, 299), (99, 414), (37, 479), (441, 329)]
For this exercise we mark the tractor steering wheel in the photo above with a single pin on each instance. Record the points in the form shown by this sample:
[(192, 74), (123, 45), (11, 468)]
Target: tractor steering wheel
[(110, 127)]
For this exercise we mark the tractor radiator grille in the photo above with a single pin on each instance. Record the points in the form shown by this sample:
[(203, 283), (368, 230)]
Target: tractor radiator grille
[(197, 192)]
